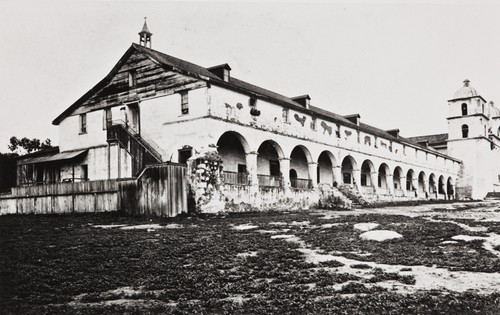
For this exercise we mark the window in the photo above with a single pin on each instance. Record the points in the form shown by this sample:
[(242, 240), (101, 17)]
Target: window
[(346, 178), (106, 118), (83, 123), (252, 102), (313, 123), (85, 172), (185, 154), (465, 131), (184, 103), (274, 168), (29, 173), (285, 115), (363, 180), (242, 168), (464, 109), (132, 79)]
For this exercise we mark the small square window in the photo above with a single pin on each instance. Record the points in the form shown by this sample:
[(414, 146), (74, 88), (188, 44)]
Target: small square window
[(106, 119), (285, 115), (313, 123), (252, 102), (184, 103), (83, 123)]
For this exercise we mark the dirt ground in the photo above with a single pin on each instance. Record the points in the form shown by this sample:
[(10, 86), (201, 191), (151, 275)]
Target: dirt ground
[(426, 259)]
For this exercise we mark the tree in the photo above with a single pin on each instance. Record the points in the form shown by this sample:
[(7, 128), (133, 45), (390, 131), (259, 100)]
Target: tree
[(25, 145), (7, 171)]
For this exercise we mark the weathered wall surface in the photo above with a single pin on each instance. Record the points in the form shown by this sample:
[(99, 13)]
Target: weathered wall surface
[(224, 106), (240, 198)]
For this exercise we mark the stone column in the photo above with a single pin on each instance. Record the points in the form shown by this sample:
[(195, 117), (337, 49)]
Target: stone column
[(414, 182), (251, 162), (402, 182), (426, 189), (285, 172), (337, 175), (374, 180), (390, 183), (356, 177), (313, 174), (433, 194)]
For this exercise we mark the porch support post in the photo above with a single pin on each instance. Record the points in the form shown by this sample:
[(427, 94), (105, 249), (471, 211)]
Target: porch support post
[(313, 174), (285, 173), (251, 161)]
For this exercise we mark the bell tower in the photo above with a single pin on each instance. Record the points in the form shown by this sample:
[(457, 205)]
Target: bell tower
[(145, 35), (468, 114), (468, 140)]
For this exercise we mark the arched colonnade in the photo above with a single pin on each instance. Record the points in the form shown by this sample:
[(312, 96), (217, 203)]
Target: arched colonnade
[(295, 166)]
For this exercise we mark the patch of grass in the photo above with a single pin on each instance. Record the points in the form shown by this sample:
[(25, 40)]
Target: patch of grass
[(356, 287), (379, 275), (331, 263), (46, 261), (420, 245)]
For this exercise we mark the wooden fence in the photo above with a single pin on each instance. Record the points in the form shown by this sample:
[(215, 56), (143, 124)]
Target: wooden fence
[(89, 196), (160, 190)]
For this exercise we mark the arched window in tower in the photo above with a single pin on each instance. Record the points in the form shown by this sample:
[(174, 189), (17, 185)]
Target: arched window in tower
[(465, 131), (464, 109)]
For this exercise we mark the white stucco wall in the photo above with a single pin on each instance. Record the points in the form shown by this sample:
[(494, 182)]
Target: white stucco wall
[(70, 137)]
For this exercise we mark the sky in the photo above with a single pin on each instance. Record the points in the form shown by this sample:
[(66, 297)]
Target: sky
[(396, 63)]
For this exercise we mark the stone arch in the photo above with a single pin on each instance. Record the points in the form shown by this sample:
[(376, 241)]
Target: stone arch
[(410, 176), (305, 150), (325, 169), (441, 186), (300, 157), (397, 178), (383, 172), (232, 148), (367, 169), (348, 167), (268, 163), (422, 189)]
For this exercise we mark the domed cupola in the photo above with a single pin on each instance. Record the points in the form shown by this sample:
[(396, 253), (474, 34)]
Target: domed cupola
[(465, 91)]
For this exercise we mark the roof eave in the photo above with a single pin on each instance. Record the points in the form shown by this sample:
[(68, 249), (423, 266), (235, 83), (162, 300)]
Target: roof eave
[(466, 98)]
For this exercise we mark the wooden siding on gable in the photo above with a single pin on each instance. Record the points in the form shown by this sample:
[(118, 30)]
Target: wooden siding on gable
[(152, 80)]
